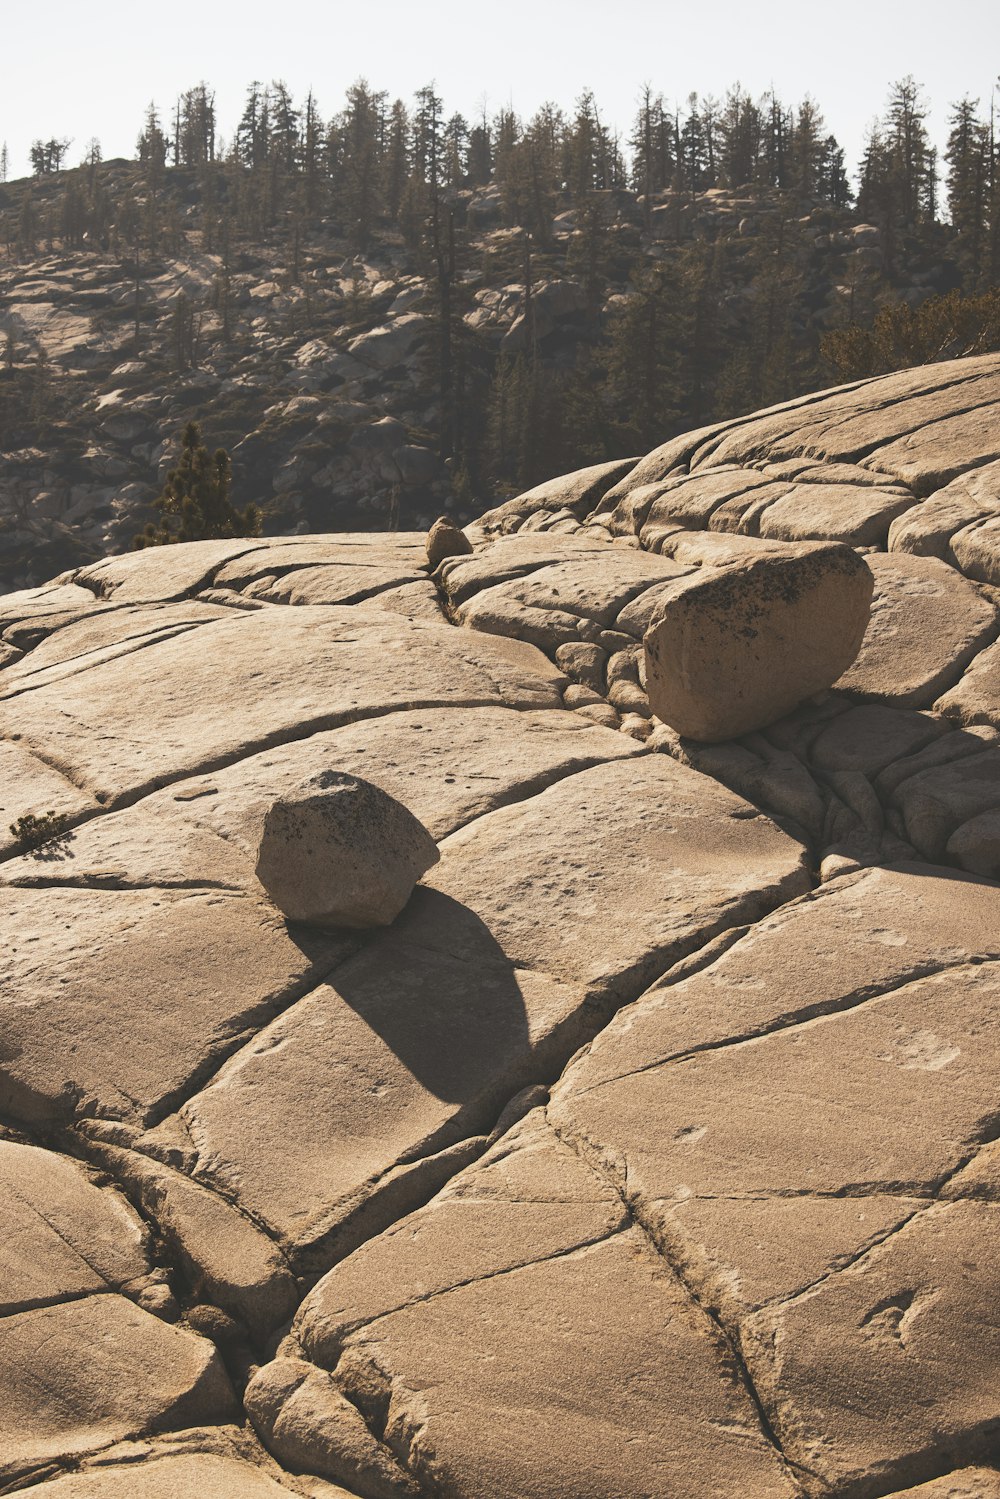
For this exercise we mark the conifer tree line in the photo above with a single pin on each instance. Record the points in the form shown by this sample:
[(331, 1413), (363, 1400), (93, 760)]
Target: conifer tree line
[(375, 159), (679, 328)]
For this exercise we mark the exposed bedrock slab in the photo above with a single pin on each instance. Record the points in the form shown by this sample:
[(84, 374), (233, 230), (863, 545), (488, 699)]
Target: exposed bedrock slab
[(184, 975), (226, 1258), (190, 971), (858, 514), (99, 637), (676, 852), (779, 1115), (302, 1417), (80, 1375), (927, 528), (872, 736), (159, 573), (927, 623), (520, 1338), (757, 1194), (945, 445), (921, 428), (190, 1476), (448, 765), (505, 558), (81, 1366), (967, 1483), (328, 584), (54, 599), (887, 1371), (939, 801), (552, 605), (735, 648), (975, 844), (976, 549), (30, 787), (122, 726), (513, 952), (689, 501), (577, 492), (61, 1237), (350, 552), (975, 699)]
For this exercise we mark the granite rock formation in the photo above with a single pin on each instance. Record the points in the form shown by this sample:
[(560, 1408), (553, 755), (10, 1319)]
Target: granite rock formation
[(653, 1147)]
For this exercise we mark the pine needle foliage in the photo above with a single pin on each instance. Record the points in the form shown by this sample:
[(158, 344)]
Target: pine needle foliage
[(195, 503)]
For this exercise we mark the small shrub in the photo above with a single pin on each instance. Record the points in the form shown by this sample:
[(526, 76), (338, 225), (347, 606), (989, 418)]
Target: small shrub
[(31, 832), (947, 327)]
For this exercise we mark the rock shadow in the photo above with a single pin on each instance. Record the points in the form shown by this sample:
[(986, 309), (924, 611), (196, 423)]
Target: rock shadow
[(443, 996)]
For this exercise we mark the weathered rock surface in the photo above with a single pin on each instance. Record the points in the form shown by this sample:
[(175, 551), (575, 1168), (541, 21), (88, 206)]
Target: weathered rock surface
[(83, 1374), (82, 1365), (507, 958), (651, 1149), (444, 539), (968, 1483), (734, 649), (61, 1237), (927, 624), (176, 1477), (340, 852)]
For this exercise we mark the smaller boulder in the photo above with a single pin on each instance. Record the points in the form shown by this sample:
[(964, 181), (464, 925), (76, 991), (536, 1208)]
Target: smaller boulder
[(444, 539), (342, 853)]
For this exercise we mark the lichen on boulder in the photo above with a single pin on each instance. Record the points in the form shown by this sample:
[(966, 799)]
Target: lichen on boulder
[(342, 853)]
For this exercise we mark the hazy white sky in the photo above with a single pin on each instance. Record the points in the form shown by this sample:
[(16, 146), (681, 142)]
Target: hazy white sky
[(89, 69)]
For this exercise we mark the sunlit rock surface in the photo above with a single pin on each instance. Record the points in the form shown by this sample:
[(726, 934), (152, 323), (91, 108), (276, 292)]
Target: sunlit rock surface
[(652, 1149)]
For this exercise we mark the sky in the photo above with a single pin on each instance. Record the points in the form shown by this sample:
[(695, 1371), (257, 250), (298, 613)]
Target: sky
[(90, 69)]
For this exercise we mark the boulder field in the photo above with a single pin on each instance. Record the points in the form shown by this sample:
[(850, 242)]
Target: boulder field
[(652, 1148)]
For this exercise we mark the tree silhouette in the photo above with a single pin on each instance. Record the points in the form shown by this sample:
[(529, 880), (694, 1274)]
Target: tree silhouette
[(195, 503)]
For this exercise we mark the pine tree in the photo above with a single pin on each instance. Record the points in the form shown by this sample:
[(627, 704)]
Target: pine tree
[(967, 155), (741, 129), (195, 127), (396, 168), (195, 503), (692, 149), (253, 133), (284, 144), (361, 130), (651, 143), (152, 148), (911, 156), (480, 153), (806, 149), (775, 165), (312, 154), (644, 356)]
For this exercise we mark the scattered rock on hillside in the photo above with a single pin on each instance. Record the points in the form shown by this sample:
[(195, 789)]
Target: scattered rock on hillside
[(736, 648), (342, 853)]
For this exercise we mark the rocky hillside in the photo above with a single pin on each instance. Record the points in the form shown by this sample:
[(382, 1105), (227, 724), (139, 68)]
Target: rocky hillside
[(320, 369), (652, 1148)]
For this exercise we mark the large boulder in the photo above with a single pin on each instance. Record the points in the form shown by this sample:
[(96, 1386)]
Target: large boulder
[(342, 853), (737, 647)]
